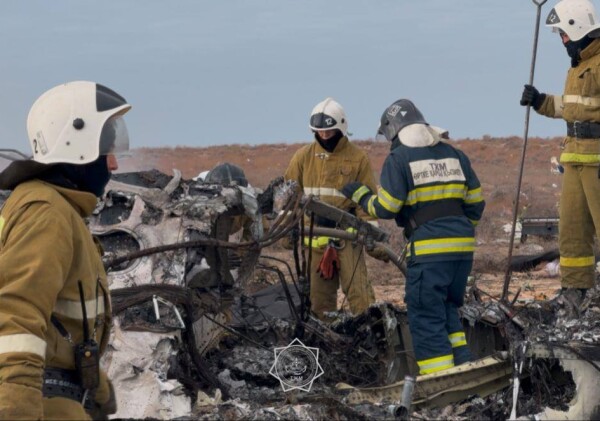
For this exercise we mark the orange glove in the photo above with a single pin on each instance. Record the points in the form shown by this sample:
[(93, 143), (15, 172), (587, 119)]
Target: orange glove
[(329, 264)]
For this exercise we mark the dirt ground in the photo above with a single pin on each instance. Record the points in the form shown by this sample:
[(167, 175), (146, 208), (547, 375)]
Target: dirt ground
[(496, 161)]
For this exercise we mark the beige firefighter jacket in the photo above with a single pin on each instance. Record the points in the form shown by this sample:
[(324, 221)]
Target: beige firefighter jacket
[(579, 102), (323, 173), (45, 248)]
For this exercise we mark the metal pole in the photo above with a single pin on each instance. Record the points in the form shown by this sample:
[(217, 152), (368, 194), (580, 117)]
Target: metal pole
[(507, 275)]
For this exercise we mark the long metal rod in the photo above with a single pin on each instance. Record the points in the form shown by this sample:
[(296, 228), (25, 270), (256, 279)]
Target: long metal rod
[(508, 273)]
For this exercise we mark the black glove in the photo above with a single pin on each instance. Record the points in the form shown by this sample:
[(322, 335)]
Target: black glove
[(355, 191), (531, 96)]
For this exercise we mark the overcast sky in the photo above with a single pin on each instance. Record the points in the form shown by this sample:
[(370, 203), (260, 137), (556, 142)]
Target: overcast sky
[(202, 73)]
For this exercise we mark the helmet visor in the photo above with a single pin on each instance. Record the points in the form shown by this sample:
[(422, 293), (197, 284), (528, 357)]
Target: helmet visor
[(379, 136), (322, 121), (114, 137)]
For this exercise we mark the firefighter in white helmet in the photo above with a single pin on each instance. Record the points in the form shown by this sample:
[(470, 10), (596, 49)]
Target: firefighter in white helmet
[(577, 23), (55, 312), (322, 168)]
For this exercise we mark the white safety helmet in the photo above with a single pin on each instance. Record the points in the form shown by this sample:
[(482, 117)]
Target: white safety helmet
[(76, 122), (576, 18), (328, 115)]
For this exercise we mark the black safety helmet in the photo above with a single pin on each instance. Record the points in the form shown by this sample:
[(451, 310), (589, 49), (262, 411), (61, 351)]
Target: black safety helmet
[(226, 174), (397, 116)]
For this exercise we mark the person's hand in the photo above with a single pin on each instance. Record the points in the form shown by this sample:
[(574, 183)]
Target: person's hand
[(531, 96), (379, 253), (355, 191)]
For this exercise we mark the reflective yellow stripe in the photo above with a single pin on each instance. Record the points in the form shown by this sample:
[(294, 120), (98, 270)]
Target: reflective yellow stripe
[(370, 208), (444, 245), (72, 309), (558, 106), (583, 100), (23, 342), (426, 194), (317, 242), (436, 364), (577, 261), (321, 242), (474, 196), (583, 158), (388, 201), (1, 225), (359, 193), (457, 339), (474, 222)]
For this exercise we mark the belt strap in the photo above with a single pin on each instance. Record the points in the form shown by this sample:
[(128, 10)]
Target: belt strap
[(431, 212), (583, 129), (59, 382)]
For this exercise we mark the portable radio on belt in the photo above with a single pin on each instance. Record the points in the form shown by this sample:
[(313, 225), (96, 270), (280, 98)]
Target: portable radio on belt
[(87, 354)]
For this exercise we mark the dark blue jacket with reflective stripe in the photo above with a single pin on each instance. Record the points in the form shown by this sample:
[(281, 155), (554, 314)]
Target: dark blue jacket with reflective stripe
[(416, 177)]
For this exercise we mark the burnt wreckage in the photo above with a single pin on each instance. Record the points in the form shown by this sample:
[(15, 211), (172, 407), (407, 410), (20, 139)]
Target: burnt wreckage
[(200, 306)]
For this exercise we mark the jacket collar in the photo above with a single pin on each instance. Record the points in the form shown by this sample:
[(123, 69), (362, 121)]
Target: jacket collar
[(591, 50), (83, 202)]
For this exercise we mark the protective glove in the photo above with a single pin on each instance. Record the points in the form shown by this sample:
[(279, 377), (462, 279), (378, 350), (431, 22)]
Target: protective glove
[(379, 253), (355, 191), (329, 264), (531, 96)]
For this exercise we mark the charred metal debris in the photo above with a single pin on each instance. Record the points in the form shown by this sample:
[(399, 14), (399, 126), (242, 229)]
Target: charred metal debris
[(200, 305)]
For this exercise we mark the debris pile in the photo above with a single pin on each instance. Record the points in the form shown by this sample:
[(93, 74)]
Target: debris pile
[(193, 340)]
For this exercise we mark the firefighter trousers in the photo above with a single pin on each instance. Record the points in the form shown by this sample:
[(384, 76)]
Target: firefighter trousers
[(434, 292), (352, 277), (579, 220)]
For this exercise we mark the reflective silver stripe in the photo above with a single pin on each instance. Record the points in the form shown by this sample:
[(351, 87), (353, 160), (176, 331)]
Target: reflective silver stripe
[(457, 339), (436, 364), (558, 106), (72, 309), (23, 342), (359, 193), (374, 223), (474, 196), (578, 99), (323, 191), (438, 192)]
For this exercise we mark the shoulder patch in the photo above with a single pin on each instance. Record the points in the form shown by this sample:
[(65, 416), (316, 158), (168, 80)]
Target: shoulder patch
[(436, 171)]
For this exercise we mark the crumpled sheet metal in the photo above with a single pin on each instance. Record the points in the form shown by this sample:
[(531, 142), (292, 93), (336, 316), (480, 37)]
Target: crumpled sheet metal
[(137, 364), (150, 267), (483, 376), (586, 404), (572, 357)]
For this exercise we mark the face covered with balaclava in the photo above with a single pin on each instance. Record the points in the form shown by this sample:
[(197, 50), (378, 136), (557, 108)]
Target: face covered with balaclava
[(574, 49)]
